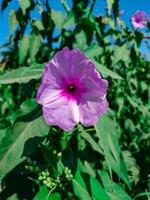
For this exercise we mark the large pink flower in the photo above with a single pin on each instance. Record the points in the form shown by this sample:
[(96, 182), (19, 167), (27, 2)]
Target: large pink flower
[(72, 90), (139, 19)]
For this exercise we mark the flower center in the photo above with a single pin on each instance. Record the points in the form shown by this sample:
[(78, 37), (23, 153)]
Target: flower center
[(71, 88)]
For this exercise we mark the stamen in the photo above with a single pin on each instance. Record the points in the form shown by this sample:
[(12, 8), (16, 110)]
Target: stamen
[(71, 88)]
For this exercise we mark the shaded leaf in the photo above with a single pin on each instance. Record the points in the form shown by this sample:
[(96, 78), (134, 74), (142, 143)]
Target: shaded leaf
[(89, 139), (11, 146)]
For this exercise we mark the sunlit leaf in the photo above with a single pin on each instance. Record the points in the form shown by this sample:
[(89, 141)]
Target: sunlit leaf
[(69, 20), (80, 187), (113, 190), (22, 74), (107, 133), (12, 20), (105, 71), (44, 194), (24, 4), (80, 40), (121, 53), (58, 18), (97, 190), (23, 48), (35, 43)]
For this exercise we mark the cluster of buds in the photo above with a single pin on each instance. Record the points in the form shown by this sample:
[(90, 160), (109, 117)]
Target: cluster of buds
[(59, 154), (52, 183), (68, 174), (49, 182), (32, 166)]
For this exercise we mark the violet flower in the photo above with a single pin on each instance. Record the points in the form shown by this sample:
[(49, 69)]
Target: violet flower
[(139, 19), (72, 91)]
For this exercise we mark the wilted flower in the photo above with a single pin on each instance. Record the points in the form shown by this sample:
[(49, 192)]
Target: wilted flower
[(139, 19), (72, 91)]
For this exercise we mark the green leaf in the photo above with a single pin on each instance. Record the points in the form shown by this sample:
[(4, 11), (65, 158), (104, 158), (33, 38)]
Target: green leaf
[(12, 20), (109, 5), (80, 192), (13, 197), (58, 18), (22, 74), (94, 51), (121, 53), (79, 187), (24, 4), (80, 40), (69, 20), (38, 24), (107, 133), (114, 190), (105, 71), (12, 146), (23, 49), (97, 190), (35, 44), (44, 194), (89, 139), (65, 5), (142, 194), (54, 196)]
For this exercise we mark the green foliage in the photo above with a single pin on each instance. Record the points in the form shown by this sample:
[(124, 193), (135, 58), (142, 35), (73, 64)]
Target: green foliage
[(109, 161)]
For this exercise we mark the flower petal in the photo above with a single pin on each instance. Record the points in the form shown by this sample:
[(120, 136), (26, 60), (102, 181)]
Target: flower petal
[(46, 95), (62, 113), (91, 110)]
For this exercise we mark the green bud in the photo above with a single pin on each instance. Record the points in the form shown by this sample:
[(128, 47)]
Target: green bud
[(48, 185), (59, 154), (45, 182), (49, 179), (31, 168), (40, 178), (58, 180), (29, 161), (43, 173), (27, 167), (54, 152), (34, 162), (36, 169), (47, 173)]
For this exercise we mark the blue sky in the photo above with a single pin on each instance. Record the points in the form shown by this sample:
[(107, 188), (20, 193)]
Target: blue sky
[(129, 7)]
